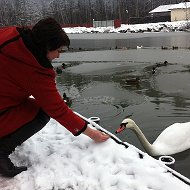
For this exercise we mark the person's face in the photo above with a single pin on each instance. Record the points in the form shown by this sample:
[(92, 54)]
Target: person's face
[(54, 54)]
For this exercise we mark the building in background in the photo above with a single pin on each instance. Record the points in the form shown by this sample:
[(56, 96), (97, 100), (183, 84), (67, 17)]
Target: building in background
[(173, 12), (161, 13), (107, 23), (180, 11)]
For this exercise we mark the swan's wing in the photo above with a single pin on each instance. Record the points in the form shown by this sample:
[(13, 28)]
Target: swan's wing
[(175, 138)]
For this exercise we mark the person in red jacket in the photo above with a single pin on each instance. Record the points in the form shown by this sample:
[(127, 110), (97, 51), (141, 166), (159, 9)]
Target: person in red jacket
[(25, 70)]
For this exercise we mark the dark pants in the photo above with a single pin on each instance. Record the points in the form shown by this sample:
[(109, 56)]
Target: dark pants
[(10, 142)]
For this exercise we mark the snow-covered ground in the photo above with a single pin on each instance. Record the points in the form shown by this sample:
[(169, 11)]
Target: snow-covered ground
[(150, 27), (57, 160)]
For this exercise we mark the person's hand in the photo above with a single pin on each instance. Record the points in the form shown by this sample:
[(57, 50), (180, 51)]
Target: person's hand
[(96, 135)]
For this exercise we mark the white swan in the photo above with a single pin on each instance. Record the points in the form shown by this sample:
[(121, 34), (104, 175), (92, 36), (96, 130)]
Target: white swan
[(174, 139), (139, 47)]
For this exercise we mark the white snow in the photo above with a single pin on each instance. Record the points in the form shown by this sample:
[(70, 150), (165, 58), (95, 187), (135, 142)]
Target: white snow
[(57, 160), (149, 27)]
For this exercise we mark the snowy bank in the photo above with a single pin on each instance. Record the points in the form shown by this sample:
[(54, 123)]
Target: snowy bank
[(57, 160), (149, 27)]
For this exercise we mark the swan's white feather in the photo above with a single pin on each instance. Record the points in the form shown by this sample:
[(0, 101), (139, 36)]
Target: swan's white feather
[(174, 139)]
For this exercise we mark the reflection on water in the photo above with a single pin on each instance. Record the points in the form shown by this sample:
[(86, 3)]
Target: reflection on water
[(130, 40), (98, 87)]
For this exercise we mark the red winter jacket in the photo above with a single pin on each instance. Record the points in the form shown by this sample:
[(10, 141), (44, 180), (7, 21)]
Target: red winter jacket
[(25, 71)]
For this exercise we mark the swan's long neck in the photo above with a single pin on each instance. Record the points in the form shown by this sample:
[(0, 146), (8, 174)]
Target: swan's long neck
[(145, 143)]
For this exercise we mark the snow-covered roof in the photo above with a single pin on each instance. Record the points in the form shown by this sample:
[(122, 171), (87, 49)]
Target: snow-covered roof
[(162, 8), (181, 5), (168, 8)]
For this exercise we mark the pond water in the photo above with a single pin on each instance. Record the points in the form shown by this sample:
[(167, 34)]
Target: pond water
[(129, 40), (96, 82)]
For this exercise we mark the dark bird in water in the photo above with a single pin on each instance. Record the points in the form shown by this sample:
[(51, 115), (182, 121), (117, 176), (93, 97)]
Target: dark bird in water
[(58, 70), (153, 70), (174, 47), (162, 47), (67, 99), (133, 81), (63, 65), (161, 64)]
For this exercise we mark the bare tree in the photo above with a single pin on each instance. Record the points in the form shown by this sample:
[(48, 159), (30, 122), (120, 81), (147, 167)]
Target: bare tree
[(27, 12)]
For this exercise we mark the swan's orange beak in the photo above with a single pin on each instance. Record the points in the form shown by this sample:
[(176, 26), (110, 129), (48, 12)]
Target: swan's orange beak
[(121, 128)]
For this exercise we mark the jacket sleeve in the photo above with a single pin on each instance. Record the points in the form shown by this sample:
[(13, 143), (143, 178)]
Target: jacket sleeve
[(42, 87)]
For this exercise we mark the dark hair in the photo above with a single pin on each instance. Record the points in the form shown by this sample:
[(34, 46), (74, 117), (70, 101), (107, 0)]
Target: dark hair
[(49, 35)]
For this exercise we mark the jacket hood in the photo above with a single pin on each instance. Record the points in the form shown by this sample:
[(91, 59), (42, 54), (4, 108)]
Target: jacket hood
[(17, 43)]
